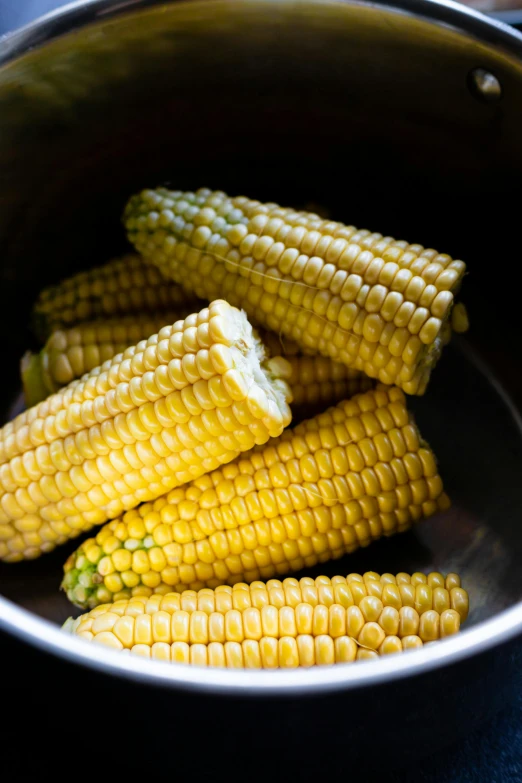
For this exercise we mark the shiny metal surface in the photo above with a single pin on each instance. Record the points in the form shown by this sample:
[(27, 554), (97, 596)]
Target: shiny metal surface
[(485, 86), (364, 108)]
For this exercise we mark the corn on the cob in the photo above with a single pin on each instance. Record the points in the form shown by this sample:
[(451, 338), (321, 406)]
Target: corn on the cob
[(68, 354), (283, 624), (124, 285), (371, 302), (315, 380), (318, 381), (332, 484), (185, 401)]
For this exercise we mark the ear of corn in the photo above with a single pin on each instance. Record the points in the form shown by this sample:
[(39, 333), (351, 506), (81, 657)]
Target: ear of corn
[(316, 382), (332, 484), (283, 624), (368, 301), (70, 353), (124, 285), (168, 409)]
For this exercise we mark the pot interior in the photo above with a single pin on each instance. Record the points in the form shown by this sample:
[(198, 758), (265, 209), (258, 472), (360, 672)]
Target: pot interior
[(366, 110)]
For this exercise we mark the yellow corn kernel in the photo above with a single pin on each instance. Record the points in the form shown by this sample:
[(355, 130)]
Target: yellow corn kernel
[(411, 642), (449, 622), (429, 626), (459, 602), (139, 425), (390, 646), (374, 306), (459, 318), (290, 504)]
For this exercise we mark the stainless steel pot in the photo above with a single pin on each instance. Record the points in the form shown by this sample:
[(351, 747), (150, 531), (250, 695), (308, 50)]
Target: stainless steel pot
[(403, 116)]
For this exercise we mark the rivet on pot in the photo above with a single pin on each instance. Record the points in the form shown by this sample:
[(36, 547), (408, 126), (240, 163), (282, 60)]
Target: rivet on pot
[(484, 85)]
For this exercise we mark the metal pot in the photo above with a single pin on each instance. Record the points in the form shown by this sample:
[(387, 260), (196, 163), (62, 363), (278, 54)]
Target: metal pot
[(403, 116)]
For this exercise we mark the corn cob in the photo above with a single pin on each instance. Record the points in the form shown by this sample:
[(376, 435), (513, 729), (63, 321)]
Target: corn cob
[(317, 381), (68, 354), (124, 285), (283, 624), (167, 410), (332, 484), (368, 301)]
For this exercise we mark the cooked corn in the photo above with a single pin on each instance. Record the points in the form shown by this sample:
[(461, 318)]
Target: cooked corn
[(185, 401), (70, 353), (318, 381), (330, 485), (368, 301), (459, 318), (283, 624), (124, 285)]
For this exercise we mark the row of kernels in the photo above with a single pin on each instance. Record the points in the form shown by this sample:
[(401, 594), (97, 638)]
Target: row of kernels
[(145, 483), (302, 507), (182, 449), (124, 285), (372, 596), (262, 561), (94, 400), (266, 220), (365, 313), (199, 627), (347, 255), (267, 653), (334, 249), (70, 354), (345, 247)]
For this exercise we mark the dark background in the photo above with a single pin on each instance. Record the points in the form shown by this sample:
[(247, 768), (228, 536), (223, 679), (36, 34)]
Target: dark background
[(62, 720)]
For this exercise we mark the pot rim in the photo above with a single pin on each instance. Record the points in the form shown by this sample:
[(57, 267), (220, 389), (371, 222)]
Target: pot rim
[(80, 13), (43, 634)]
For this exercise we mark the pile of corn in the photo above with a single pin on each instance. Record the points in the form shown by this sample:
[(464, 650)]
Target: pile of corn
[(156, 406)]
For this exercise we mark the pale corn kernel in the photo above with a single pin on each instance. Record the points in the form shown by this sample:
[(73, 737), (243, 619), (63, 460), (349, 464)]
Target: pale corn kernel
[(459, 602), (429, 626), (441, 599), (390, 646), (269, 651), (449, 622), (306, 649), (324, 650), (371, 608), (412, 642), (371, 636), (345, 649), (365, 654), (408, 621), (389, 620), (452, 580)]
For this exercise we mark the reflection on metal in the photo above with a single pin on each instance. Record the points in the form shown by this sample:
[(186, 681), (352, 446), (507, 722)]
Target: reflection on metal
[(484, 85)]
